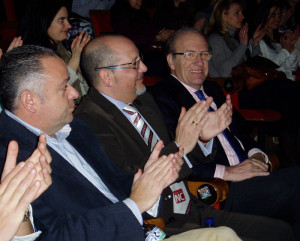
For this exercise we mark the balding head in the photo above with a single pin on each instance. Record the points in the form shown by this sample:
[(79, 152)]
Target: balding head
[(111, 64), (97, 53)]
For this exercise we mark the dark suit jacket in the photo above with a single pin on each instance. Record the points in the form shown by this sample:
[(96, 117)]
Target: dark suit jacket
[(125, 146), (72, 208), (171, 95), (122, 143)]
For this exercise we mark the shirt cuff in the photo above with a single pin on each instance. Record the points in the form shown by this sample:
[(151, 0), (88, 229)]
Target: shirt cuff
[(257, 150), (219, 172), (207, 149), (29, 237), (154, 210), (134, 209)]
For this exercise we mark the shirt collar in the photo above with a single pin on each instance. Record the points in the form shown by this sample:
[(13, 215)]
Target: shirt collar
[(118, 103), (189, 88), (61, 135)]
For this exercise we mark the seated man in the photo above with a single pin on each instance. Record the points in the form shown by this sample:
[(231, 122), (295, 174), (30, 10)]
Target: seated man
[(234, 155), (90, 199), (115, 71)]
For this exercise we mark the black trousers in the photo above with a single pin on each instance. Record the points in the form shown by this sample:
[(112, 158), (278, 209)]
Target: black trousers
[(276, 196), (248, 227)]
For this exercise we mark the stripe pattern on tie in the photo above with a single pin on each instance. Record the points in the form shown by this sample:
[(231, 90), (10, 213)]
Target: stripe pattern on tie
[(141, 126), (234, 143)]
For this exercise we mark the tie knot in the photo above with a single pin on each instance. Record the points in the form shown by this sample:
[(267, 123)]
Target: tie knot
[(130, 109), (200, 95)]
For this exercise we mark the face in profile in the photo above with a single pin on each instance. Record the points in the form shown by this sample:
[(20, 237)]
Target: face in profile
[(234, 17), (191, 72), (136, 4), (59, 27), (127, 81), (57, 104)]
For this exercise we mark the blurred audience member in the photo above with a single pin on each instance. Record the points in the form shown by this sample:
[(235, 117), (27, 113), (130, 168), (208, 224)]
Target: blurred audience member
[(129, 18), (45, 23), (83, 7), (277, 47), (229, 41)]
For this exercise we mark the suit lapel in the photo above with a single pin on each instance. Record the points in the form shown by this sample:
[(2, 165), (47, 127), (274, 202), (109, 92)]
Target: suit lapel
[(118, 117), (183, 97), (85, 142)]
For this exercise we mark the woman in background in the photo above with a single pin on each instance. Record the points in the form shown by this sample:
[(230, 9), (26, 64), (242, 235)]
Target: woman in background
[(45, 23), (229, 41), (277, 47)]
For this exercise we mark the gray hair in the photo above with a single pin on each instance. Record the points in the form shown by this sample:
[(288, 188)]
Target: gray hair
[(21, 69)]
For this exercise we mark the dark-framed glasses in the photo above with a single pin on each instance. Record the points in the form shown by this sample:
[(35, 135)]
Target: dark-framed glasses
[(132, 65), (192, 55)]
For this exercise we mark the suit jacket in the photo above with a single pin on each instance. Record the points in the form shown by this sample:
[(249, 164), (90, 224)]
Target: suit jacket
[(124, 145), (170, 95), (121, 141), (72, 208)]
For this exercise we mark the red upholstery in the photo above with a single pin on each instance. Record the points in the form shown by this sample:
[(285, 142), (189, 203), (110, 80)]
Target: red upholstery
[(9, 6), (9, 28), (151, 80), (254, 115), (101, 21)]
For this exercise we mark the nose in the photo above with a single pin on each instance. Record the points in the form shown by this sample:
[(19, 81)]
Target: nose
[(72, 93), (199, 59), (242, 16), (142, 67), (68, 25)]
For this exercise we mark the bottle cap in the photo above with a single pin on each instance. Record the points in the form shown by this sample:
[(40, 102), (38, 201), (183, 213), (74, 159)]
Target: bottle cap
[(209, 221)]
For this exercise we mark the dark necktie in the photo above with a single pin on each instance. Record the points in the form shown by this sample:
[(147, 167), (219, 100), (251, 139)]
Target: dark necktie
[(234, 143), (142, 127)]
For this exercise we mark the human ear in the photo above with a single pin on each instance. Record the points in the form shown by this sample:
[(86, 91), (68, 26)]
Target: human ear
[(105, 77), (28, 100), (170, 61)]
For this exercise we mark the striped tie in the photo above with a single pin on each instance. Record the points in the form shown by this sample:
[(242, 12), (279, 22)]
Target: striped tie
[(142, 127)]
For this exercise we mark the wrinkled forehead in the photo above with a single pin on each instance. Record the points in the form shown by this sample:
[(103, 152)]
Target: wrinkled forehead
[(190, 41)]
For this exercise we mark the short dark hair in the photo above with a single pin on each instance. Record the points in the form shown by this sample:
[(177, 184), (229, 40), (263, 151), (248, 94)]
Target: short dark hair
[(21, 69), (95, 56), (173, 38)]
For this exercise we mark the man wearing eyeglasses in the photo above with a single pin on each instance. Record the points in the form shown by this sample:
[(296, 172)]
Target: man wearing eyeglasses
[(128, 125), (234, 155)]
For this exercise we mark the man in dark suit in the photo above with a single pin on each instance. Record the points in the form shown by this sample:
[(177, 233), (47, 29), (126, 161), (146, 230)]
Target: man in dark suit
[(90, 199), (113, 67), (252, 186)]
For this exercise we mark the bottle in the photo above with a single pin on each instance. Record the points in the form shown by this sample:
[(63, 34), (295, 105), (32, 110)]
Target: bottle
[(153, 233), (209, 222)]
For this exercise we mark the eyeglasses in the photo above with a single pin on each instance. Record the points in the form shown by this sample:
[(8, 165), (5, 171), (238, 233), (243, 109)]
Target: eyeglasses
[(191, 55), (135, 65)]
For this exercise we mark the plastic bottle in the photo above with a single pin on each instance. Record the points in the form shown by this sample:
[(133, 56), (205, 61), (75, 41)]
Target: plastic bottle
[(153, 233), (209, 222)]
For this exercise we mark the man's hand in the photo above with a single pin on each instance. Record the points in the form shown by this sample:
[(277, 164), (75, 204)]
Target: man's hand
[(217, 121), (245, 170), (20, 185), (191, 123), (158, 174)]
